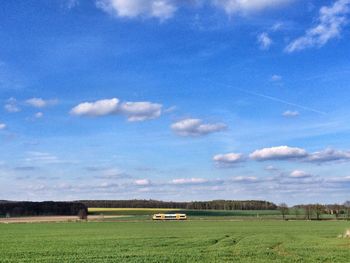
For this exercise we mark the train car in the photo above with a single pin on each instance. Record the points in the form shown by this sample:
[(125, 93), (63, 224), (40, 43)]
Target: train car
[(169, 217)]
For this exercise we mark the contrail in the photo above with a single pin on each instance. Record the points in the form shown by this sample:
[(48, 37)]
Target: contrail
[(275, 99)]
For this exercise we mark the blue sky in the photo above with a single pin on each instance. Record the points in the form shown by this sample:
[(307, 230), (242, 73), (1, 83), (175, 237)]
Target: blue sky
[(175, 100)]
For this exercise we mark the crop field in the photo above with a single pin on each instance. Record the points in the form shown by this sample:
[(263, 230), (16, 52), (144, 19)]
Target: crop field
[(185, 241), (150, 211), (129, 211)]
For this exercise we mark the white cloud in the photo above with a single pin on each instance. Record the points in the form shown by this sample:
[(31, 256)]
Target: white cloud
[(330, 23), (196, 127), (299, 174), (134, 111), (289, 153), (11, 105), (2, 126), (329, 155), (142, 182), (165, 9), (277, 26), (290, 114), (276, 78), (245, 6), (264, 41), (40, 103), (278, 153), (140, 111), (97, 108), (228, 159), (161, 9), (185, 181)]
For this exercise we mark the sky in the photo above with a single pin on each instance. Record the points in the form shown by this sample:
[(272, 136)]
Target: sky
[(175, 100)]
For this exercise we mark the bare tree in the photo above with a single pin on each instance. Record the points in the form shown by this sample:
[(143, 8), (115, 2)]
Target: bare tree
[(347, 207), (82, 214), (283, 207), (308, 212), (318, 208), (297, 212)]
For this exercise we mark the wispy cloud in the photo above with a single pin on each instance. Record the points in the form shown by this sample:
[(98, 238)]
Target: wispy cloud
[(44, 158), (331, 21), (275, 99), (264, 41), (189, 181), (40, 103), (12, 105), (276, 78), (290, 114)]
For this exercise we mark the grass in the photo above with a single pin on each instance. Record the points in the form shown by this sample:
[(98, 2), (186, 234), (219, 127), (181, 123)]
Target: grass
[(186, 241)]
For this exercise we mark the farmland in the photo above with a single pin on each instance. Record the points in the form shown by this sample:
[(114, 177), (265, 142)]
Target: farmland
[(187, 241)]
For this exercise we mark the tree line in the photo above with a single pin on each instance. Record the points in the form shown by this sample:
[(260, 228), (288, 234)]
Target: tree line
[(195, 205), (316, 211), (12, 209)]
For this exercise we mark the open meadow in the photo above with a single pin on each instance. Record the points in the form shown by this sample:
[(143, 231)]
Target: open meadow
[(184, 241)]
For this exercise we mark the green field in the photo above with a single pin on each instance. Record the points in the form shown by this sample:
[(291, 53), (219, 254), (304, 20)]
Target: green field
[(186, 241)]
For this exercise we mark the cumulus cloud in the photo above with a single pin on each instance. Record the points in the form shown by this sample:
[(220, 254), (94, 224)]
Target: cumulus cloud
[(161, 9), (165, 9), (329, 155), (245, 6), (228, 159), (134, 111), (140, 111), (290, 114), (264, 41), (196, 127), (331, 21), (40, 103), (299, 174), (290, 153), (2, 126), (97, 108), (278, 153), (189, 181)]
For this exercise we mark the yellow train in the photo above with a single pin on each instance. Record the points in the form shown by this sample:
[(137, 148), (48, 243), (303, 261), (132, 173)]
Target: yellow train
[(169, 217)]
